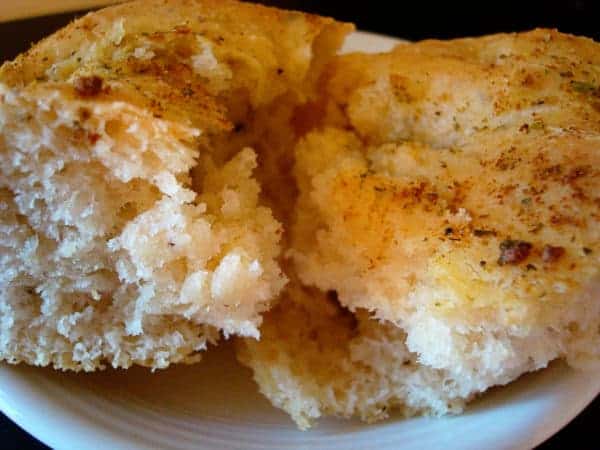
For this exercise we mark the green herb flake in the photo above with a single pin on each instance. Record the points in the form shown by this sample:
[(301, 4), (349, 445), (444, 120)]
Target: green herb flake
[(455, 123), (583, 87), (537, 125)]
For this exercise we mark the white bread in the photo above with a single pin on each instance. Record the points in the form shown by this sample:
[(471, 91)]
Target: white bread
[(316, 359), (129, 234), (450, 191)]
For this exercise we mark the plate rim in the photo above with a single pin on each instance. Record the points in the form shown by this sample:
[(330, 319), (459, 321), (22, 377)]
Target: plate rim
[(62, 423)]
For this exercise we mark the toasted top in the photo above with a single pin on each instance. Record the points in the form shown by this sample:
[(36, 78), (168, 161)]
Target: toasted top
[(175, 56), (469, 184), (443, 93)]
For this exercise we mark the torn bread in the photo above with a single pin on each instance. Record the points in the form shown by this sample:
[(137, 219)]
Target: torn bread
[(128, 234), (450, 190), (317, 359)]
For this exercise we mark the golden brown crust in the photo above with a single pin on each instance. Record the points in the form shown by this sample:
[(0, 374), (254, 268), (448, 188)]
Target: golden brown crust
[(449, 90), (471, 159), (167, 16), (145, 51)]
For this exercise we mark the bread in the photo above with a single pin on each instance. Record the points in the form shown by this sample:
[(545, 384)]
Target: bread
[(316, 359), (439, 215), (449, 194), (130, 232)]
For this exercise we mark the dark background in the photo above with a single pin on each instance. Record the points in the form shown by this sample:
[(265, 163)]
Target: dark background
[(413, 20)]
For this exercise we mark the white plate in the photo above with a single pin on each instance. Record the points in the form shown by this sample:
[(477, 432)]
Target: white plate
[(215, 404)]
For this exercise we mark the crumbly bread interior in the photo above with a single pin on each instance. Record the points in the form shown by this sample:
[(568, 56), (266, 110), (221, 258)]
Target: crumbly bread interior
[(316, 358), (132, 225), (450, 190)]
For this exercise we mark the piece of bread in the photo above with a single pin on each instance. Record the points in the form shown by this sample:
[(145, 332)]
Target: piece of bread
[(316, 358), (451, 190), (130, 233)]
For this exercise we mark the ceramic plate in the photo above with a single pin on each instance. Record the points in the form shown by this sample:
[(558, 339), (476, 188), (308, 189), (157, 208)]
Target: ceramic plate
[(215, 404)]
